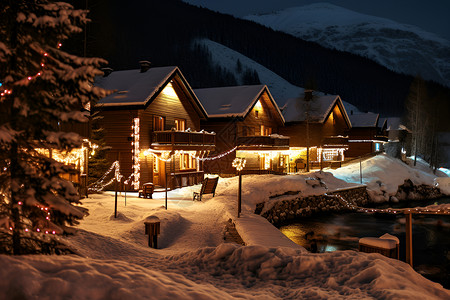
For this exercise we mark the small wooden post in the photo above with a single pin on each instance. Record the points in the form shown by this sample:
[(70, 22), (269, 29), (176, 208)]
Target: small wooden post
[(360, 169), (239, 195), (409, 248), (115, 201), (152, 228), (165, 171)]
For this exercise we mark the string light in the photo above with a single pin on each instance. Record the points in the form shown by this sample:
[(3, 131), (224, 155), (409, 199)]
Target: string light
[(419, 210), (239, 163), (29, 78), (165, 155), (99, 185), (136, 151)]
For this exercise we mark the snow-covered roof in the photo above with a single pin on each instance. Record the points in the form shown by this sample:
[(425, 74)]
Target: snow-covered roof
[(364, 119), (233, 101), (382, 122), (320, 107), (394, 123), (136, 88)]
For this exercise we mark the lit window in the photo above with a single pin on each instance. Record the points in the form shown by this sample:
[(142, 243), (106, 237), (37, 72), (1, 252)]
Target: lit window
[(180, 124), (266, 130), (187, 162), (377, 146)]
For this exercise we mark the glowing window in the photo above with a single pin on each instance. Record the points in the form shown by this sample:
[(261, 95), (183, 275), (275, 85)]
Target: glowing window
[(187, 162), (180, 124)]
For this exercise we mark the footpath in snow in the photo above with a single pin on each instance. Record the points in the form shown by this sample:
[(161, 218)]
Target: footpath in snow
[(193, 262)]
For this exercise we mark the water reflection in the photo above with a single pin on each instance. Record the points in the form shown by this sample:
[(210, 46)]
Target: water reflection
[(331, 232)]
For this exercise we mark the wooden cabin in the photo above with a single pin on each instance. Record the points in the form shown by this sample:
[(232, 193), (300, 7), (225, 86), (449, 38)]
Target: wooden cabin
[(152, 123), (246, 120), (367, 134), (317, 122)]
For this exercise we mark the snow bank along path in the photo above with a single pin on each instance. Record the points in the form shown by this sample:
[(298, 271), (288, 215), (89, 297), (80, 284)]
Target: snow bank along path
[(194, 263)]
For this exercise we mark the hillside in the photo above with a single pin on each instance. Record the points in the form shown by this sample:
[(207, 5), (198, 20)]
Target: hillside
[(399, 47), (229, 60), (163, 32)]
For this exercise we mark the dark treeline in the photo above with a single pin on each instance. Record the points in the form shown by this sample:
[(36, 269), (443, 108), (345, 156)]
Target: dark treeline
[(125, 32)]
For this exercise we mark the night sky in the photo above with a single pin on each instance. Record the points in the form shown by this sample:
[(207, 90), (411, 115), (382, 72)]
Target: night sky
[(431, 15)]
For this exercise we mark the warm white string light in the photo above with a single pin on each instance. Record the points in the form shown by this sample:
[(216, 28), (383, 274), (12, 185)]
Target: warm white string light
[(136, 151), (99, 185), (165, 155), (418, 210), (239, 163)]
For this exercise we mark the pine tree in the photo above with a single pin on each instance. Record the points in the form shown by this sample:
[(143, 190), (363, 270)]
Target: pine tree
[(42, 85), (416, 119), (98, 164)]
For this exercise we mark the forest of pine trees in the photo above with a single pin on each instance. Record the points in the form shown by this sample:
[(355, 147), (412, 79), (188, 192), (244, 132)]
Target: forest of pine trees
[(163, 32)]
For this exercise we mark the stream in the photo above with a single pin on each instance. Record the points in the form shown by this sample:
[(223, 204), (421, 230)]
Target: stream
[(431, 235)]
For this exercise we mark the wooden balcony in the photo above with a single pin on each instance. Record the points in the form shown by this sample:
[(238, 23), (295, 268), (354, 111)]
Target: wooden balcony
[(259, 142), (335, 142), (183, 140)]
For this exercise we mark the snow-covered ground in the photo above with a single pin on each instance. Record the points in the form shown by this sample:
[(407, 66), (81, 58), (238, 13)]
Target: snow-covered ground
[(383, 174), (193, 262)]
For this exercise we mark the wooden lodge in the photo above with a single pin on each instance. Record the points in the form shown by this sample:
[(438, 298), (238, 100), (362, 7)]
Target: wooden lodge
[(367, 135), (319, 123), (152, 124), (247, 121)]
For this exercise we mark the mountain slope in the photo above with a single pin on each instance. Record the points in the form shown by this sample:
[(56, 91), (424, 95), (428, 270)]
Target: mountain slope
[(401, 48), (280, 88)]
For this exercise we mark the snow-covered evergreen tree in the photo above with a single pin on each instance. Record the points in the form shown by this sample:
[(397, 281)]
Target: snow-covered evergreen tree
[(41, 86), (98, 164)]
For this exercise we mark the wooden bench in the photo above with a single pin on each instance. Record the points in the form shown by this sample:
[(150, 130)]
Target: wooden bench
[(208, 187), (147, 190)]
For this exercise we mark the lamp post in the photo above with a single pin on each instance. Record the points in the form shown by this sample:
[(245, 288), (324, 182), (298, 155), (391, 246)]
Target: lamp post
[(239, 164)]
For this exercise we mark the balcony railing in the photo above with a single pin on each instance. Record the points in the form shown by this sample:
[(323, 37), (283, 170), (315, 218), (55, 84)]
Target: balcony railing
[(183, 138), (331, 141), (264, 141)]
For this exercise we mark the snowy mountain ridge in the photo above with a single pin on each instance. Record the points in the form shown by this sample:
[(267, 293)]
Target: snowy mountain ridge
[(402, 48), (279, 87)]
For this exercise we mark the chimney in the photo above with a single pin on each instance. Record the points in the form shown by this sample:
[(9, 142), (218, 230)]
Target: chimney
[(107, 71), (308, 95), (145, 65)]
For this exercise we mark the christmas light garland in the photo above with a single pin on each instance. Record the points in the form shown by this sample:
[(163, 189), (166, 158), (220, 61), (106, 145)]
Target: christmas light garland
[(99, 185), (168, 158), (9, 91), (417, 210)]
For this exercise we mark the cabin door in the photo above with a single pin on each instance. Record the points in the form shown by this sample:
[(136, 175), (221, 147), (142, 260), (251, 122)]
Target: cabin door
[(159, 172)]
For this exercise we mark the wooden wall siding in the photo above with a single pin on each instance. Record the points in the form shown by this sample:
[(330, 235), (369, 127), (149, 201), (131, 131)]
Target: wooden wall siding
[(336, 125), (267, 116), (220, 166), (358, 149), (146, 168), (117, 125), (226, 133), (362, 133), (81, 128), (297, 134), (317, 131), (170, 107)]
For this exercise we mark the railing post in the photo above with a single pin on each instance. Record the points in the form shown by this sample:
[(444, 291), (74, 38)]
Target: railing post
[(173, 138), (409, 248)]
